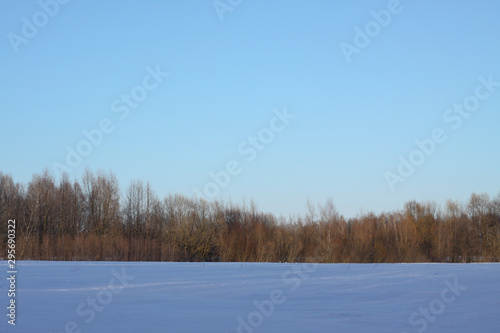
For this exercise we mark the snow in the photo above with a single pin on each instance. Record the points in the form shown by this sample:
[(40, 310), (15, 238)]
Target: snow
[(58, 297)]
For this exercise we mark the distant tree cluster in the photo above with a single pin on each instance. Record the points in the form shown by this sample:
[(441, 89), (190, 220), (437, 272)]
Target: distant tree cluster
[(91, 220)]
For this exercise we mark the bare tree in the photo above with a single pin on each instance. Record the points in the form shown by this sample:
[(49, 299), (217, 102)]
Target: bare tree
[(41, 198), (70, 205), (134, 208), (11, 206), (477, 209), (101, 201)]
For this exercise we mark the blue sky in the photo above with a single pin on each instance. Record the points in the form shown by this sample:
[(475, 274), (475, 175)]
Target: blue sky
[(227, 79)]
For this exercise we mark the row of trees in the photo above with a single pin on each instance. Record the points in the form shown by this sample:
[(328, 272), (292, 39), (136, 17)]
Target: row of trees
[(91, 220)]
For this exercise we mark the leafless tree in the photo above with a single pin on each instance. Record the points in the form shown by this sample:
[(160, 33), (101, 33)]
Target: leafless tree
[(102, 204), (41, 199)]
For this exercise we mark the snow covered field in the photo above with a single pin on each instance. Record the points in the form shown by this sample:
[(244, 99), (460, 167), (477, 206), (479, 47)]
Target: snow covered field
[(56, 297)]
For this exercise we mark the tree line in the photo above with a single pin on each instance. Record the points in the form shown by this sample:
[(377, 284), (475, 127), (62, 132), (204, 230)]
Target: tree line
[(90, 219)]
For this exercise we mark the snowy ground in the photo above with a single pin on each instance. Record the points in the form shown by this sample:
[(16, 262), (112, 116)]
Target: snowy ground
[(57, 297)]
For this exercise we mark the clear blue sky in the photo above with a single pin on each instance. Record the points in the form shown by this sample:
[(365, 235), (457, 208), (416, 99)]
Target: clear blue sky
[(353, 119)]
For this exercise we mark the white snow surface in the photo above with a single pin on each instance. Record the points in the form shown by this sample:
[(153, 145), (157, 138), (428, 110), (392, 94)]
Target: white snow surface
[(57, 297)]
